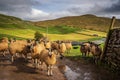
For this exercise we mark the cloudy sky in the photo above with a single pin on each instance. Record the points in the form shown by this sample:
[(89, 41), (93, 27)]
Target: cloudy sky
[(37, 10)]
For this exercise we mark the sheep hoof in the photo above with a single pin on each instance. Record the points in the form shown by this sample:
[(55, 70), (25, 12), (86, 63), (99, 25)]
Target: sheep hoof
[(48, 74), (51, 74)]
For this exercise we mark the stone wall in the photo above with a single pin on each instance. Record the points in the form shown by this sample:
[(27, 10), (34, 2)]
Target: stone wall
[(112, 51)]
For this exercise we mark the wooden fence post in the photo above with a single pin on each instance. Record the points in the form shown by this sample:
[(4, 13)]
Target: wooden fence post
[(107, 38)]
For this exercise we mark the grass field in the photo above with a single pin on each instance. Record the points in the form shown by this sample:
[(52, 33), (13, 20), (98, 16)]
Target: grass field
[(29, 33), (76, 54)]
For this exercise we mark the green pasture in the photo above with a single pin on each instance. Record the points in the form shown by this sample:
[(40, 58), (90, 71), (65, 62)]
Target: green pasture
[(76, 53), (54, 33)]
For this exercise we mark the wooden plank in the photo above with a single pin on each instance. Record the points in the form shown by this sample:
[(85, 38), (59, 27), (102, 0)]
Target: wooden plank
[(107, 38)]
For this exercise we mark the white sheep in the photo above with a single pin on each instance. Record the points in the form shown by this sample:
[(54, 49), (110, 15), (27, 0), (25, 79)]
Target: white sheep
[(35, 52), (4, 45), (49, 57)]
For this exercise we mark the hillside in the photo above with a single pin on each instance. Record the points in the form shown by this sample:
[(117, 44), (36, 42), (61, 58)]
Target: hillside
[(10, 22), (13, 27), (87, 21)]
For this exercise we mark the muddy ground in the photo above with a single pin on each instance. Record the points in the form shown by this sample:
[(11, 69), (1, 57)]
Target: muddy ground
[(65, 69)]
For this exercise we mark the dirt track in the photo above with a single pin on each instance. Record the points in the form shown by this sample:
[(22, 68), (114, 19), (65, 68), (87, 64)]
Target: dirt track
[(21, 70)]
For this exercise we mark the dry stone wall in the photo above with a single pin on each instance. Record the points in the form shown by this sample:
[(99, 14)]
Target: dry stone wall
[(112, 52)]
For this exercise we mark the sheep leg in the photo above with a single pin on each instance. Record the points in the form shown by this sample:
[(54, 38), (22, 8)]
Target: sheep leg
[(85, 54), (33, 61), (69, 50), (88, 54), (25, 56), (16, 54), (22, 55), (41, 65), (48, 70), (82, 54), (36, 63), (51, 73), (12, 58), (97, 59), (94, 59), (3, 53), (61, 56)]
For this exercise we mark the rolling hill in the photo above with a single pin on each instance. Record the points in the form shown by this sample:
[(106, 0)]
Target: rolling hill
[(87, 21), (13, 27)]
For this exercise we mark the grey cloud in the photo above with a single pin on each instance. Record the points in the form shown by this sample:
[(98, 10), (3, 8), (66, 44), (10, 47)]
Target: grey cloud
[(58, 8), (115, 8), (15, 7)]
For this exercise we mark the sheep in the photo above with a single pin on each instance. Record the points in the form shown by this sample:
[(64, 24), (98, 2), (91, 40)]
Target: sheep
[(35, 52), (47, 44), (4, 45), (61, 48), (85, 48), (18, 46), (49, 57), (96, 51), (55, 46), (68, 46)]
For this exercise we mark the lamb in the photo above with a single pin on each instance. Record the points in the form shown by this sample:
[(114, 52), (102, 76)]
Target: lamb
[(4, 45), (49, 57)]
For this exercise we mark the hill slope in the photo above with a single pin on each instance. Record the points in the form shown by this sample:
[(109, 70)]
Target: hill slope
[(85, 21), (13, 27)]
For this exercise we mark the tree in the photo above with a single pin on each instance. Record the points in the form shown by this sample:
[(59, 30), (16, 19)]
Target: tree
[(38, 35)]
